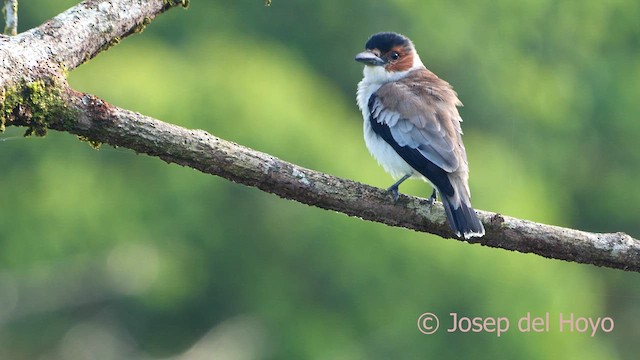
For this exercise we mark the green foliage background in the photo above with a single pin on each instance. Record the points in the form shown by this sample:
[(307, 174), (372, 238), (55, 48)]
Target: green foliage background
[(111, 255)]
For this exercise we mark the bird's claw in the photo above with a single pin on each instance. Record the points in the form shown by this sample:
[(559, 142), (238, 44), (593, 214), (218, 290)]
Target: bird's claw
[(394, 193), (432, 198), (394, 188)]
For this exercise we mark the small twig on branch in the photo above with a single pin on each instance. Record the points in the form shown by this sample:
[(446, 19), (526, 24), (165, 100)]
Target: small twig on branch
[(10, 11)]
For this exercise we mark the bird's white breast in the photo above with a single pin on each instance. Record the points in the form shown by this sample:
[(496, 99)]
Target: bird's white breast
[(380, 149)]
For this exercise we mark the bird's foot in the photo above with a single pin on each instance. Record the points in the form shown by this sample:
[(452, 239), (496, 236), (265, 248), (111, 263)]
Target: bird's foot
[(432, 198), (393, 189)]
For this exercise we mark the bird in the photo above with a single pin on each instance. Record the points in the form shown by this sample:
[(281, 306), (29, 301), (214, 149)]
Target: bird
[(412, 126)]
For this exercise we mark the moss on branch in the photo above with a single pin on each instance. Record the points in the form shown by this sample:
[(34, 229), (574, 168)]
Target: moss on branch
[(173, 3), (34, 104)]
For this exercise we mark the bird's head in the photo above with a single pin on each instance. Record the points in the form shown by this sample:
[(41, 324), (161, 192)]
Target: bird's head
[(388, 55)]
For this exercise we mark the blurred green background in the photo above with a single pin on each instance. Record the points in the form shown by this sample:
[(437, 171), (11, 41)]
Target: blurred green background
[(111, 255)]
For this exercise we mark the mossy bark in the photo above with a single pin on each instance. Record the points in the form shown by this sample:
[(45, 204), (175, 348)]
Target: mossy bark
[(37, 105)]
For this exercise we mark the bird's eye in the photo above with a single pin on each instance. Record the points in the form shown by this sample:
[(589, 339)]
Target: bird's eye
[(394, 56)]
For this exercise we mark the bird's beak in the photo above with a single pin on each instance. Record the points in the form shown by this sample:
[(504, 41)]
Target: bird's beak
[(369, 58)]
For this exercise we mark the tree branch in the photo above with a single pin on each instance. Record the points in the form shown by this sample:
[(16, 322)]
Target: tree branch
[(94, 119), (100, 121), (75, 36)]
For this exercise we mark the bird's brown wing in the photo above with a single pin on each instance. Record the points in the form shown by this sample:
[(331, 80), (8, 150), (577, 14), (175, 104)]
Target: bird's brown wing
[(420, 111)]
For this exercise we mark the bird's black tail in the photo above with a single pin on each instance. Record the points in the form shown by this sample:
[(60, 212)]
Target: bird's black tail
[(462, 218)]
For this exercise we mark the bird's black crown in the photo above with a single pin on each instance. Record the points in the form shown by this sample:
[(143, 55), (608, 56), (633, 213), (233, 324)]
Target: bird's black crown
[(385, 41)]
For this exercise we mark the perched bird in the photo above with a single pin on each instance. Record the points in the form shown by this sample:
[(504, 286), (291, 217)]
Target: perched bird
[(412, 126)]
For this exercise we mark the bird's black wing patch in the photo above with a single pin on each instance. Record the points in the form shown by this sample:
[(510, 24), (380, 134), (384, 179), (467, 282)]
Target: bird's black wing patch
[(413, 157)]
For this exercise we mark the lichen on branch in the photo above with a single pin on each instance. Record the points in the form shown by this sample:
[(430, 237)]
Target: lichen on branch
[(34, 104), (173, 3)]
